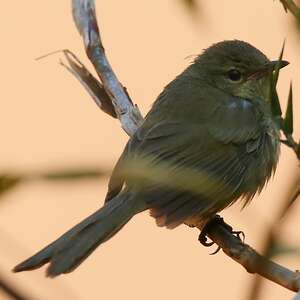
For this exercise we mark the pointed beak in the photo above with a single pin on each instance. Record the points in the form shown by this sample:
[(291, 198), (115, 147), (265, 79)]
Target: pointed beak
[(269, 67), (281, 64)]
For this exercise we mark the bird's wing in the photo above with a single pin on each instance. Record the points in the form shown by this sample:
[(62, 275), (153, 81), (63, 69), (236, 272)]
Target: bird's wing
[(192, 170), (116, 180), (235, 121)]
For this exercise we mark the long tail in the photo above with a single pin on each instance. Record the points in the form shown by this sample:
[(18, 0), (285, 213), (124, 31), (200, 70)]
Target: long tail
[(72, 248)]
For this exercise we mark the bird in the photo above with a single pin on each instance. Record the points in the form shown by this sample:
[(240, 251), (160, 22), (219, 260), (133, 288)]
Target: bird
[(209, 140)]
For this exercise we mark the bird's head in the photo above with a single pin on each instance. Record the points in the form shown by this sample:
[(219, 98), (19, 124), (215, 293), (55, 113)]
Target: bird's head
[(237, 68)]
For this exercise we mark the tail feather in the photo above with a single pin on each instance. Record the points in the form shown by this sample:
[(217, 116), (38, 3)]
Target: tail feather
[(72, 248)]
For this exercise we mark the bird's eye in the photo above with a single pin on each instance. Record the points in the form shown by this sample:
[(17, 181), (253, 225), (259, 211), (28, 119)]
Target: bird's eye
[(234, 75)]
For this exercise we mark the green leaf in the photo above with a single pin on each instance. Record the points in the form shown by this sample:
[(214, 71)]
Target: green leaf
[(275, 104), (288, 120), (277, 67)]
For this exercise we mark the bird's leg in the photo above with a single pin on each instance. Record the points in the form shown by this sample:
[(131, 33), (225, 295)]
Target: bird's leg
[(217, 220)]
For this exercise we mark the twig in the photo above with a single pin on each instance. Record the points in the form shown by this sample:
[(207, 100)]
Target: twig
[(131, 119), (93, 86)]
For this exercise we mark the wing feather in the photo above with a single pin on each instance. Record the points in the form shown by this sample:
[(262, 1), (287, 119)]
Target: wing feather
[(205, 163)]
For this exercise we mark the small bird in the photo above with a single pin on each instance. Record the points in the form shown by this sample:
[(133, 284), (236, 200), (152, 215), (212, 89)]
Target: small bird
[(208, 140)]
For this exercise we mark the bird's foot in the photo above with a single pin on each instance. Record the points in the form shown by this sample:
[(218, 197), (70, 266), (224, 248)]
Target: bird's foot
[(217, 220)]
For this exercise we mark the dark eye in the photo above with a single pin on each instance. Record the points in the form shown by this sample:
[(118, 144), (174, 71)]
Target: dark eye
[(234, 75)]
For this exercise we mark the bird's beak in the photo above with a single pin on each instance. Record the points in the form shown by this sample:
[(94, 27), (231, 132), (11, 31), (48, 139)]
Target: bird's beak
[(281, 64), (269, 67)]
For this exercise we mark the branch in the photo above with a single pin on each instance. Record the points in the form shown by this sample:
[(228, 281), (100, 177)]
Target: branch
[(85, 19), (131, 119), (251, 260)]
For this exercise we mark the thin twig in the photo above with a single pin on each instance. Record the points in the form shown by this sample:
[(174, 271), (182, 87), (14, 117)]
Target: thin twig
[(131, 119), (93, 86)]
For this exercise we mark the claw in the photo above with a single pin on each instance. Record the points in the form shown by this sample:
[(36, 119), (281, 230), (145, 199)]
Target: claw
[(217, 220), (216, 251), (203, 235), (203, 239)]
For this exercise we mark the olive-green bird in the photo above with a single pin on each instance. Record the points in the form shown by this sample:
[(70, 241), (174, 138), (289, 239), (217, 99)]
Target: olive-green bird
[(208, 140)]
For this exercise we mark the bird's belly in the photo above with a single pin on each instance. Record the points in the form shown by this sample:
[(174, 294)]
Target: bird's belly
[(260, 165)]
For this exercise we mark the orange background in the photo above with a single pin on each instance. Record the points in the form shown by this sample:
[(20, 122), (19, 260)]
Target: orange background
[(47, 120)]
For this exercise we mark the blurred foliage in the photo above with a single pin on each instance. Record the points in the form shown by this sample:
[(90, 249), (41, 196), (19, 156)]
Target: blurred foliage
[(291, 6), (282, 248), (11, 291), (73, 174), (8, 181), (294, 9), (192, 6)]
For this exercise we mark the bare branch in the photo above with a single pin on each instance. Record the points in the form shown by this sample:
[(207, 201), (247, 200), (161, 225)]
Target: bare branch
[(93, 86), (131, 119), (85, 20), (251, 260)]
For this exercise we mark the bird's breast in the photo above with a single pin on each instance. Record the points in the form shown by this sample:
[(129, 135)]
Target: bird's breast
[(261, 161)]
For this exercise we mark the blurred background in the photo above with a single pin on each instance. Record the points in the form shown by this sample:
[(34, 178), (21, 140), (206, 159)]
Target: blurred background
[(50, 125)]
